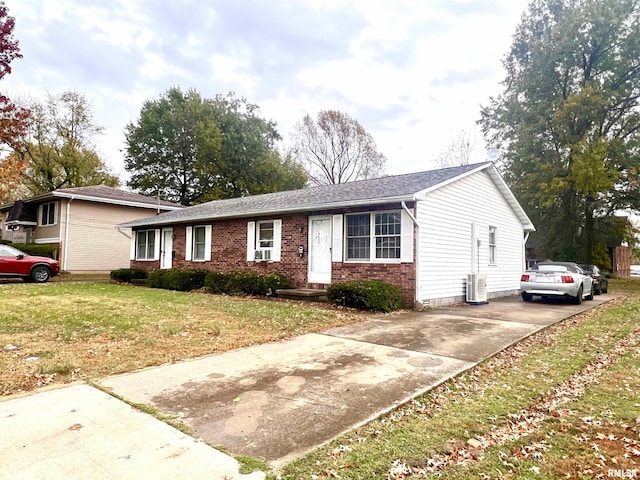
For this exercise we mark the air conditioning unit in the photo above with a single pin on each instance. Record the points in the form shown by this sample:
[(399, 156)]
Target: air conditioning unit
[(262, 255), (476, 288)]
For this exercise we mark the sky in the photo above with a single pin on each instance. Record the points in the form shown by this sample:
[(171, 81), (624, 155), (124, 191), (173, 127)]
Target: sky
[(414, 73)]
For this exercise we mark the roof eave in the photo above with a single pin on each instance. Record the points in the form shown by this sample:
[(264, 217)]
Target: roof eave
[(527, 224), (423, 193), (113, 201)]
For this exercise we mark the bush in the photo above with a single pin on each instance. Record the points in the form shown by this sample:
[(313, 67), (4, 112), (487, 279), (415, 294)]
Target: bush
[(156, 279), (127, 275), (40, 249), (181, 279), (216, 282), (184, 280), (245, 283), (373, 295)]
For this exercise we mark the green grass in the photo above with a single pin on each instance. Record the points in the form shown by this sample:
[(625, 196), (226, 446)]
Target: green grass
[(492, 396)]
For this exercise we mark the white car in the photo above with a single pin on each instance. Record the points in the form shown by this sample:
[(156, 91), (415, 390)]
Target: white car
[(556, 279)]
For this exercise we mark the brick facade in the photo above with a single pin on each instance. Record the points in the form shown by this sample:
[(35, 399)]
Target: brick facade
[(229, 252)]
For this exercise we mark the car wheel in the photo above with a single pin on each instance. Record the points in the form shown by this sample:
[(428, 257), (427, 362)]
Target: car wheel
[(605, 289), (578, 298), (527, 297), (40, 274), (590, 296)]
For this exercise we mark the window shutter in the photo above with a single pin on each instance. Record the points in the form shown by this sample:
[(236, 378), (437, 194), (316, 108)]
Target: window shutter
[(188, 246), (251, 241), (134, 236), (406, 237), (336, 239), (207, 243), (156, 250), (277, 240)]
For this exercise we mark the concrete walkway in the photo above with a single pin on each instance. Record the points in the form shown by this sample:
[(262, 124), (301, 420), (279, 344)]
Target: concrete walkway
[(274, 401)]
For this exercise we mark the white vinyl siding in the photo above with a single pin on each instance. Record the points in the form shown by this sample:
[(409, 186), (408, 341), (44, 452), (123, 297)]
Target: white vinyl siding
[(446, 246)]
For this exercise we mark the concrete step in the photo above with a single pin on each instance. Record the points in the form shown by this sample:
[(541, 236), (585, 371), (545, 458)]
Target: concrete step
[(310, 294)]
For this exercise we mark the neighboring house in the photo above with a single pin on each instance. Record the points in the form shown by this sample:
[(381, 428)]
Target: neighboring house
[(81, 222), (422, 231)]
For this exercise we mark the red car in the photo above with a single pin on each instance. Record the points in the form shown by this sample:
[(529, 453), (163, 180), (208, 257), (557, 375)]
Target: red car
[(17, 264)]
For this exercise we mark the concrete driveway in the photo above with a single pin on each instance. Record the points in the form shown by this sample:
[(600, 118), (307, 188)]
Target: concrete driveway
[(277, 401), (274, 401)]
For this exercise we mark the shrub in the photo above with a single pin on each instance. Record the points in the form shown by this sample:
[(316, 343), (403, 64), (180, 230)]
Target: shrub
[(245, 283), (127, 275), (373, 295), (216, 282), (40, 249), (181, 279), (156, 279)]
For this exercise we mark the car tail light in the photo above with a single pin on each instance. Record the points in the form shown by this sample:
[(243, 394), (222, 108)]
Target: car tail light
[(567, 279), (524, 278), (595, 277)]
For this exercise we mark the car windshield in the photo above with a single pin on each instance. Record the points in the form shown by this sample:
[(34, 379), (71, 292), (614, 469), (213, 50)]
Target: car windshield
[(7, 251)]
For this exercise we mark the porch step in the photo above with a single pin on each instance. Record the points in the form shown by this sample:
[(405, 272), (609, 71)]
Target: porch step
[(311, 294)]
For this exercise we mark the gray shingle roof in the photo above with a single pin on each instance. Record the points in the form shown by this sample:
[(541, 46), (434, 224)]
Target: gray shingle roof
[(111, 193), (377, 190)]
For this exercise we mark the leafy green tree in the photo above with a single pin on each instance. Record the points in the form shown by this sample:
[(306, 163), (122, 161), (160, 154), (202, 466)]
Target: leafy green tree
[(567, 121), (335, 148), (169, 147), (193, 149), (58, 146)]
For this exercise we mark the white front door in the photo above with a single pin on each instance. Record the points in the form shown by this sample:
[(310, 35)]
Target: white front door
[(319, 250), (166, 248)]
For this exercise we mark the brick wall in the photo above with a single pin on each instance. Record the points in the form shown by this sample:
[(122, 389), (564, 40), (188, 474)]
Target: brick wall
[(229, 252)]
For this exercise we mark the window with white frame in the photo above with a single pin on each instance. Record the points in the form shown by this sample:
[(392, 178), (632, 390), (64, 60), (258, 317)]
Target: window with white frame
[(199, 242), (48, 214), (264, 239), (145, 244), (382, 242), (359, 236), (492, 245)]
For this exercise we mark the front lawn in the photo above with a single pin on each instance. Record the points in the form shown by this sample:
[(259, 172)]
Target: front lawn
[(58, 332)]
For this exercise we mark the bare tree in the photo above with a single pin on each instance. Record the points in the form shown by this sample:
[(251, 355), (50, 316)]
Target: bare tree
[(335, 148), (458, 151)]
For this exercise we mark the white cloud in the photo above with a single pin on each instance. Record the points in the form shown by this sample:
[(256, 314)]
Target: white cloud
[(413, 72)]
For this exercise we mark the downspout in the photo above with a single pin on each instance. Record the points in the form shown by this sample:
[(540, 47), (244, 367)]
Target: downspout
[(524, 250), (66, 234), (417, 249)]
